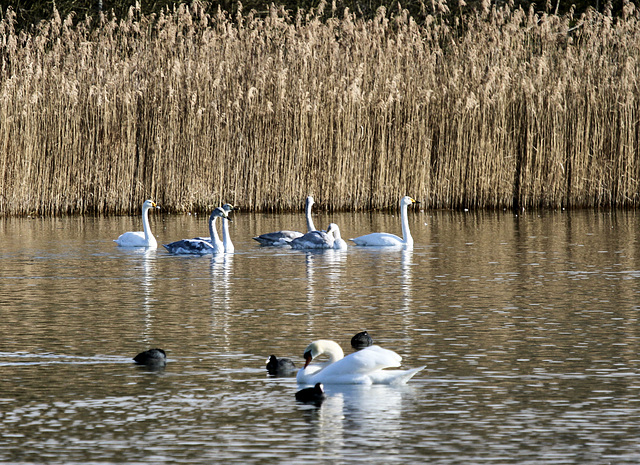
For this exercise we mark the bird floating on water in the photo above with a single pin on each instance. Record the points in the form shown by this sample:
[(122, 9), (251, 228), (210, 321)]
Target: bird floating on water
[(280, 366), (154, 358), (140, 238), (391, 240), (280, 238), (366, 366), (200, 246)]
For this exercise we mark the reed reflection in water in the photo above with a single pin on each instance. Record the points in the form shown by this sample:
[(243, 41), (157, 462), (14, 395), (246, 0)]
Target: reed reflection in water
[(528, 326)]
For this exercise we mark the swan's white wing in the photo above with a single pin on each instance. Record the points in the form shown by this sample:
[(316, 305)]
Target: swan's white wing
[(394, 377), (131, 239), (379, 240), (356, 368), (366, 361)]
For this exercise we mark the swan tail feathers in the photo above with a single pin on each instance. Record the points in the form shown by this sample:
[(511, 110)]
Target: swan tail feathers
[(407, 375)]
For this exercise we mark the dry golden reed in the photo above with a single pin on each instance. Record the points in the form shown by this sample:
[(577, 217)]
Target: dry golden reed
[(504, 109)]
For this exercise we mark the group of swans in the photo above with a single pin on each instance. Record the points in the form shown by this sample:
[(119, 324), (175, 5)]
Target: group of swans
[(197, 245), (331, 238), (313, 239), (284, 237)]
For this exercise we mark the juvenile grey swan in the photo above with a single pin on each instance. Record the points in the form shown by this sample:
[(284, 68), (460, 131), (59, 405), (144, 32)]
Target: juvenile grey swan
[(280, 238), (226, 236), (199, 246), (316, 239)]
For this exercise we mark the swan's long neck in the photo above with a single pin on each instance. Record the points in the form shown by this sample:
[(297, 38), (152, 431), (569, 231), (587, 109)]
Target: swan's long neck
[(307, 210), (331, 350), (145, 224), (226, 237), (406, 234), (213, 232)]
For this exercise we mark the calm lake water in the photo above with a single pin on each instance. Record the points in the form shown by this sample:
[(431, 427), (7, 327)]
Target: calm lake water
[(528, 327)]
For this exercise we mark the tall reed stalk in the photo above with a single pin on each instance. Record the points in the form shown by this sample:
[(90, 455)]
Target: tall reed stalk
[(191, 108)]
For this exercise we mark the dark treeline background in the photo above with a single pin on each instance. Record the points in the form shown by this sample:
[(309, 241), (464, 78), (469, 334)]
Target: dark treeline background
[(31, 12)]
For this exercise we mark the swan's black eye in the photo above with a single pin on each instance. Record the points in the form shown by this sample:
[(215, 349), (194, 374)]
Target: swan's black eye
[(307, 355)]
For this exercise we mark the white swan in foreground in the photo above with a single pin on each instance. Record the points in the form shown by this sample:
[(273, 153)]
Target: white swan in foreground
[(390, 240), (366, 366), (280, 238), (140, 238), (199, 246), (338, 242), (315, 239)]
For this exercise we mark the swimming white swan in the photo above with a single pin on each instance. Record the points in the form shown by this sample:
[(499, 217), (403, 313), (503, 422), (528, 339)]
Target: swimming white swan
[(338, 242), (390, 240), (315, 239), (366, 366), (199, 246), (280, 238), (140, 238)]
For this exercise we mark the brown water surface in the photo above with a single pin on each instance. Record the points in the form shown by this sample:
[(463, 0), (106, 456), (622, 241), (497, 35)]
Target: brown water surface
[(528, 327)]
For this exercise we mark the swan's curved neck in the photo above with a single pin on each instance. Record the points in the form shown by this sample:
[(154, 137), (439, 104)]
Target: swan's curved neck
[(331, 350), (145, 224), (226, 237), (310, 225), (406, 234)]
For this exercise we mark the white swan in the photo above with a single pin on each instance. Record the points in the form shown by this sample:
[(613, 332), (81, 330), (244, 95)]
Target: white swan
[(390, 240), (200, 246), (280, 238), (366, 366), (315, 240), (338, 242), (140, 238)]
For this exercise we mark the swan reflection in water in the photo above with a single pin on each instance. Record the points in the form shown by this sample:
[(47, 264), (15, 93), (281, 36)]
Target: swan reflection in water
[(329, 265), (221, 271), (349, 412), (144, 265)]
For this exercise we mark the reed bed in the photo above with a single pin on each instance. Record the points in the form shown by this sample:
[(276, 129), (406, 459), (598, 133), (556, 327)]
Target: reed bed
[(499, 109)]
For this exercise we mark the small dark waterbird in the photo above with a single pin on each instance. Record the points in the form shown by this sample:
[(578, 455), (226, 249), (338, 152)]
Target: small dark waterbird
[(280, 366), (313, 394), (361, 340), (154, 358)]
